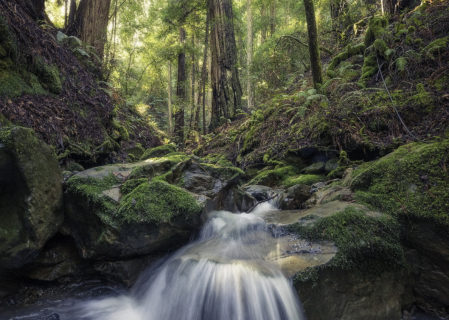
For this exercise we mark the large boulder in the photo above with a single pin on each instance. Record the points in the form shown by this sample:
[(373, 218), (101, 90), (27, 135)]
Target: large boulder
[(144, 208), (30, 196), (366, 278), (412, 184)]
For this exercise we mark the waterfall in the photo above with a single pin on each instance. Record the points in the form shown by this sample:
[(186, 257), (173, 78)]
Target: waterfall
[(224, 275)]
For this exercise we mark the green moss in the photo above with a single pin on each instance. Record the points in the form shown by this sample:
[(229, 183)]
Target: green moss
[(217, 159), (364, 242), (274, 177), (91, 189), (226, 172), (157, 202), (307, 179), (412, 182), (436, 47), (376, 29), (12, 84), (122, 132), (159, 151), (134, 153), (131, 184), (157, 166), (48, 75), (380, 46), (349, 51)]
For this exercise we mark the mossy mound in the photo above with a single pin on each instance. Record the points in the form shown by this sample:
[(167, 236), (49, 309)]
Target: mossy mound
[(366, 243), (158, 152), (124, 210), (157, 202), (285, 176), (30, 195), (411, 182)]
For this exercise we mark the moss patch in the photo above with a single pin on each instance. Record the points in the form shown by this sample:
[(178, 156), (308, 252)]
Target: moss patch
[(274, 177), (412, 181), (157, 202), (307, 179), (158, 152), (365, 243), (91, 190)]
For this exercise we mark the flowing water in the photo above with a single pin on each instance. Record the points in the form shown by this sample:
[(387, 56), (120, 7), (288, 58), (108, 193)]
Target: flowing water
[(225, 274)]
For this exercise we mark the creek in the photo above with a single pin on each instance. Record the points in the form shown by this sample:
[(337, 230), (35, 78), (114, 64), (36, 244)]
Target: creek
[(231, 271)]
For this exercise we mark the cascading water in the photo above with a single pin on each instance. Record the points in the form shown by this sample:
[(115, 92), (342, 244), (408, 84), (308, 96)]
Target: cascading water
[(225, 275)]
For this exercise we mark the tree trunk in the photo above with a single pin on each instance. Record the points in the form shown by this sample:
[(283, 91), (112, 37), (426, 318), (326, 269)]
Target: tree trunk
[(170, 121), (180, 92), (90, 23), (249, 58), (72, 14), (193, 117), (226, 89), (202, 94), (35, 8), (272, 17), (315, 61)]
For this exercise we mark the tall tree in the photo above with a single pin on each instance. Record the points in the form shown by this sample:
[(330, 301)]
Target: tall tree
[(202, 94), (35, 8), (315, 60), (272, 17), (180, 91), (90, 22), (170, 100), (249, 57), (226, 88)]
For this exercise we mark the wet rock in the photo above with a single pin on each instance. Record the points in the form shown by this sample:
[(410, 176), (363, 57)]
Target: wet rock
[(315, 168), (349, 295), (261, 193), (331, 165), (121, 211), (295, 197), (30, 196), (58, 259)]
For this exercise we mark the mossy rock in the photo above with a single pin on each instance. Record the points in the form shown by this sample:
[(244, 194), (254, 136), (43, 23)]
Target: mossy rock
[(30, 195), (48, 75), (158, 152), (411, 182), (303, 179), (274, 177), (367, 242), (111, 218), (158, 202)]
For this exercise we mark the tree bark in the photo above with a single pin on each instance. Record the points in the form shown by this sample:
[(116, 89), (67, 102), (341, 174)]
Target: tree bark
[(180, 92), (34, 8), (202, 94), (170, 112), (90, 23), (226, 88), (249, 58), (272, 17), (315, 60)]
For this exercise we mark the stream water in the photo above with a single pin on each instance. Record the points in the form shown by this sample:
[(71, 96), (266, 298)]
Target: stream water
[(229, 272), (225, 274)]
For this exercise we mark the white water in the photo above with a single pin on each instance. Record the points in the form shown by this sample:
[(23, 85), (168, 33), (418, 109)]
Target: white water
[(224, 275)]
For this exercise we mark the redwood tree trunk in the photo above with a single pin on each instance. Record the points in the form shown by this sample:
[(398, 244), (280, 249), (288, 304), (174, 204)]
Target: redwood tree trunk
[(35, 8), (90, 23), (180, 92), (226, 89), (315, 60), (202, 93)]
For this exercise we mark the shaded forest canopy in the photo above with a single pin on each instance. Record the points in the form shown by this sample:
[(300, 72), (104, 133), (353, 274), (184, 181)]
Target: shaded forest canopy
[(255, 80)]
